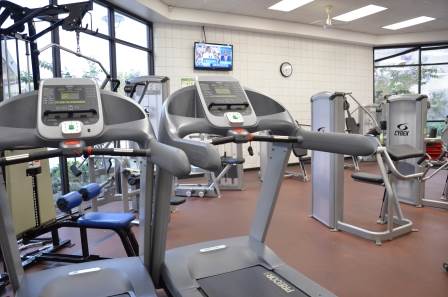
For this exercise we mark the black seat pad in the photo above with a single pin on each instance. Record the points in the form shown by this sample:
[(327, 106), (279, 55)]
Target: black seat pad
[(403, 151), (298, 151), (368, 178), (177, 200)]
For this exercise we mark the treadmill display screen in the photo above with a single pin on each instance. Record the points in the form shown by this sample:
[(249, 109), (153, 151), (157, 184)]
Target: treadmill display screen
[(69, 95), (72, 96), (223, 95), (222, 91)]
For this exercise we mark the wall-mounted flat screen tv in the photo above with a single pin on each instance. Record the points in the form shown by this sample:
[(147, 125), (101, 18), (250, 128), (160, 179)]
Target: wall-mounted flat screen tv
[(213, 56)]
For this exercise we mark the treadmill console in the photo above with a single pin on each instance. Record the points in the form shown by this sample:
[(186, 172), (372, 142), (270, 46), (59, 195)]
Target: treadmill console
[(225, 102), (69, 108)]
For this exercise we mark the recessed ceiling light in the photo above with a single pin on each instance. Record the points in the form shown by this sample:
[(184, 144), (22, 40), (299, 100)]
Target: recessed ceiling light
[(409, 23), (288, 5), (359, 13)]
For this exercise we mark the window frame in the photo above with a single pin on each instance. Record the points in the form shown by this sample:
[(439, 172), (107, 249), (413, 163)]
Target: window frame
[(409, 48), (111, 38)]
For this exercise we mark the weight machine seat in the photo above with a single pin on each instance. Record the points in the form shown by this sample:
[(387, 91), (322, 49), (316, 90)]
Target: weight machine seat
[(106, 220), (232, 161), (368, 178), (298, 151), (177, 200), (404, 151)]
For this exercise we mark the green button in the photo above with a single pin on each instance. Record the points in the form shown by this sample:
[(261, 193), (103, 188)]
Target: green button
[(71, 127)]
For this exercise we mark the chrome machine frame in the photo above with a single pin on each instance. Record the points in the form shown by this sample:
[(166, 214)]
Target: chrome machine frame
[(328, 177)]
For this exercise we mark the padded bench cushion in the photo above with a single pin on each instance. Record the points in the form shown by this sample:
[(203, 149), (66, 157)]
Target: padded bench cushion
[(298, 151), (404, 151), (368, 178), (232, 161), (106, 220)]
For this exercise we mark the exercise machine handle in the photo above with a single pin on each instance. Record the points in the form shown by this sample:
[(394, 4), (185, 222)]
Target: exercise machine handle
[(253, 137), (73, 152), (223, 140), (421, 160)]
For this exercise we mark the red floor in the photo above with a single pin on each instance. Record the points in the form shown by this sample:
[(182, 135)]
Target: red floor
[(346, 265)]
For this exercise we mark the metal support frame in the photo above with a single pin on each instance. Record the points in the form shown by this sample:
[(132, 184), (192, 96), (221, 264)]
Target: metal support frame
[(391, 214), (235, 179), (328, 178), (8, 241), (2, 86), (270, 188), (301, 174), (214, 186)]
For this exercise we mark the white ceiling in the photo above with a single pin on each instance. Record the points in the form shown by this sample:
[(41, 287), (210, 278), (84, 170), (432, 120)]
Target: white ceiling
[(398, 10)]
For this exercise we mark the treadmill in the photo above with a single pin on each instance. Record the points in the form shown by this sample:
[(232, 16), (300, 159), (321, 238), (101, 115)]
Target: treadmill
[(71, 116), (240, 266)]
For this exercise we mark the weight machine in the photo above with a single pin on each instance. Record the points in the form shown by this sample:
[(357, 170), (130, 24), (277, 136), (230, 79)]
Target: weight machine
[(328, 175)]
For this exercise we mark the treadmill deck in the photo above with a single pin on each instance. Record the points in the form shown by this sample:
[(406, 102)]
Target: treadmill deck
[(255, 281)]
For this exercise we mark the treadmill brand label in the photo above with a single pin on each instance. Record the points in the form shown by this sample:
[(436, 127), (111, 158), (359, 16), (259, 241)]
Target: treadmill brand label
[(279, 282), (402, 130)]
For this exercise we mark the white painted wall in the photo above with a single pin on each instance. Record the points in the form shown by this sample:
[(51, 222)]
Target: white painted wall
[(318, 65)]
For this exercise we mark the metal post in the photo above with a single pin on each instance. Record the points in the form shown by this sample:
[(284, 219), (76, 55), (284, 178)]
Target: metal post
[(34, 56), (2, 91), (270, 188), (65, 180), (112, 46), (164, 182), (18, 66), (146, 212), (8, 240), (56, 54)]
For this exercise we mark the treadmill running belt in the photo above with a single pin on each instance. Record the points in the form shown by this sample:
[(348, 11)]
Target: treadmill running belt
[(254, 281)]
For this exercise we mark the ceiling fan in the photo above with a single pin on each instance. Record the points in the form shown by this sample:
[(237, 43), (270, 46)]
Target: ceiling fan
[(328, 21)]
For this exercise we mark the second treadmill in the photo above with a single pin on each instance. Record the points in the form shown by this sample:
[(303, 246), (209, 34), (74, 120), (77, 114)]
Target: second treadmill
[(239, 266)]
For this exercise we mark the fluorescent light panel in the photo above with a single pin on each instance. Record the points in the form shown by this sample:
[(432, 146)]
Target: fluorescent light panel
[(409, 23), (288, 5), (359, 13)]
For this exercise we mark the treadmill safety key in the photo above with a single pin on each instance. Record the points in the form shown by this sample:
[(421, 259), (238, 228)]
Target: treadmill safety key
[(235, 118), (71, 127)]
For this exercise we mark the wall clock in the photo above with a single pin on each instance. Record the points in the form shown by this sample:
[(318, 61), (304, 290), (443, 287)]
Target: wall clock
[(286, 69)]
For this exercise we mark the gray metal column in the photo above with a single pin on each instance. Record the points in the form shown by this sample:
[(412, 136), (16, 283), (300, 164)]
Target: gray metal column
[(327, 169), (8, 241), (161, 218), (406, 124), (146, 211), (270, 186)]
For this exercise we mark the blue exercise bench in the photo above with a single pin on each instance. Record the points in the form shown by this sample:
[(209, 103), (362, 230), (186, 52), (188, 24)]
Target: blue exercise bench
[(120, 223)]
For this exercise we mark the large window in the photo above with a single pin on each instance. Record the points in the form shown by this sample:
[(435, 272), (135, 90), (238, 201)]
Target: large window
[(414, 70), (122, 42)]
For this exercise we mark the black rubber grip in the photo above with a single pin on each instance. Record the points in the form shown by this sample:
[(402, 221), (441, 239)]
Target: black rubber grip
[(223, 140), (421, 160)]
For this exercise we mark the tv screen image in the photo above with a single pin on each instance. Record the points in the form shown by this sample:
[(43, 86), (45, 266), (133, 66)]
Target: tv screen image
[(211, 56)]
